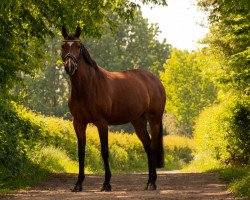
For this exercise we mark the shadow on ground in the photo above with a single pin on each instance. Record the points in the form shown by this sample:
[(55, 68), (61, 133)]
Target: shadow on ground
[(170, 185)]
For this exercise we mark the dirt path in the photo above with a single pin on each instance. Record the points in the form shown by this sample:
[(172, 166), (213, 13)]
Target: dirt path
[(171, 185)]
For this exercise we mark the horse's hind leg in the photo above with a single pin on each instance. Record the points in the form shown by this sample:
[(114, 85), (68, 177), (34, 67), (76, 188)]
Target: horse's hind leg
[(140, 126), (156, 139)]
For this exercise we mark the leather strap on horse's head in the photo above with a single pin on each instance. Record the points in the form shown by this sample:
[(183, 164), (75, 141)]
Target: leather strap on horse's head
[(84, 53), (71, 56)]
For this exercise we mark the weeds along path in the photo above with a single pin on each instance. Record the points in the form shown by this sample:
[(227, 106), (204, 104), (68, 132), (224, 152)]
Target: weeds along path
[(171, 185)]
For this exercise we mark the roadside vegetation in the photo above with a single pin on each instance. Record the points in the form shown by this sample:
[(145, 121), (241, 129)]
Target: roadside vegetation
[(207, 114), (33, 145)]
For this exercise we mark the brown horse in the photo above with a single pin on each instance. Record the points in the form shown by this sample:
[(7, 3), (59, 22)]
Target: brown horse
[(110, 98)]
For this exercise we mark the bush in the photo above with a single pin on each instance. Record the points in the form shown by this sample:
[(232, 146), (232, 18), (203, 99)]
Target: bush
[(17, 136), (238, 179), (54, 160), (31, 145), (222, 132), (178, 151)]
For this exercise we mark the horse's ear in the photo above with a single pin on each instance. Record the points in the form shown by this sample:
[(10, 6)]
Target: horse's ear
[(64, 32), (78, 32)]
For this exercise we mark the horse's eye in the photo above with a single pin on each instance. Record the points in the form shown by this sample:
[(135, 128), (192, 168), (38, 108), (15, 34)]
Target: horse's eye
[(63, 46), (78, 46)]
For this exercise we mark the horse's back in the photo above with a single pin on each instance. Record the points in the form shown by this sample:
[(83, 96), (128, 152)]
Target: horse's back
[(133, 92)]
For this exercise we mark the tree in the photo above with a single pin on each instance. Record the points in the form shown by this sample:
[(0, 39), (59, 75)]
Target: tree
[(229, 39), (134, 45), (222, 130), (188, 91), (47, 90), (24, 25)]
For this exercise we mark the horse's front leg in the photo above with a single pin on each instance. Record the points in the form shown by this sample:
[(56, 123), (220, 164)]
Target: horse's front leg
[(103, 133), (80, 129)]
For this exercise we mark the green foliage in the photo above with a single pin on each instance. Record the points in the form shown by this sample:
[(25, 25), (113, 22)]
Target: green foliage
[(239, 180), (229, 39), (33, 145), (178, 151), (187, 89), (17, 136), (130, 43), (222, 138), (222, 132), (24, 25), (47, 91), (54, 160)]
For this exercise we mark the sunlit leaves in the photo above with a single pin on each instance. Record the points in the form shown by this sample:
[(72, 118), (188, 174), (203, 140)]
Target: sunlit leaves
[(230, 38), (188, 90), (24, 26)]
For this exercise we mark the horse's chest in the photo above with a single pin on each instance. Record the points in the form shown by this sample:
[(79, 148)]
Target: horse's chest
[(82, 112)]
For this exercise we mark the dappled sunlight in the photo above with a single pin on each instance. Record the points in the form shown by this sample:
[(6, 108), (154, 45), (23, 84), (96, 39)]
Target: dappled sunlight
[(130, 186)]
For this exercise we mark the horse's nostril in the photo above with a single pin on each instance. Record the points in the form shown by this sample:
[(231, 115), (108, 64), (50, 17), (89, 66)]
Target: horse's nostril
[(66, 67)]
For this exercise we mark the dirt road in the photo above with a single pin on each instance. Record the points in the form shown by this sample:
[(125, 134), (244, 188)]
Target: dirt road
[(171, 185)]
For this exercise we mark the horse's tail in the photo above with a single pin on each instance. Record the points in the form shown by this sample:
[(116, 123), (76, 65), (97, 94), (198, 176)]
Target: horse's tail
[(160, 150)]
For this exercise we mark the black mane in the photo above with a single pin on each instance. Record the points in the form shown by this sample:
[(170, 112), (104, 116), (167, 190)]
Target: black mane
[(88, 58)]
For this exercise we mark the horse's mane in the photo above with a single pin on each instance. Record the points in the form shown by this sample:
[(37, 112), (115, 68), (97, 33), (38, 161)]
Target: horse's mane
[(88, 58)]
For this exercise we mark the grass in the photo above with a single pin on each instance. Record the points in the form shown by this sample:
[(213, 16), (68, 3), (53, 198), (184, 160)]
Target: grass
[(54, 160), (30, 174), (237, 178)]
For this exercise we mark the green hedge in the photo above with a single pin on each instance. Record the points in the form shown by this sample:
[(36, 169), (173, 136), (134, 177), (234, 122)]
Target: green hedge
[(31, 145), (17, 137), (222, 132)]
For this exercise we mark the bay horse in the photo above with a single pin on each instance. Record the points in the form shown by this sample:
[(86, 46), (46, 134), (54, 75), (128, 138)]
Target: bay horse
[(107, 98)]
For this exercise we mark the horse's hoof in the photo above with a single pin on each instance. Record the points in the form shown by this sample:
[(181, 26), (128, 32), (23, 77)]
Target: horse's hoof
[(150, 186), (106, 187), (77, 188)]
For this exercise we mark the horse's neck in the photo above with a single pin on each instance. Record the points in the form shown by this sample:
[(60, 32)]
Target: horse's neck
[(87, 82)]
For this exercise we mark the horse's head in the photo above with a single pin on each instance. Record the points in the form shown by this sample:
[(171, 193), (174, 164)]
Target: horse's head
[(71, 50)]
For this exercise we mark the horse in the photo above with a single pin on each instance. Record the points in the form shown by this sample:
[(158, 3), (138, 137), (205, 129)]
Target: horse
[(104, 98)]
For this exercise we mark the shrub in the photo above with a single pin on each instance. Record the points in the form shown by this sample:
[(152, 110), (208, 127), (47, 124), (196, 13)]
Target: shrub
[(54, 160), (222, 132), (31, 145), (178, 151), (17, 137)]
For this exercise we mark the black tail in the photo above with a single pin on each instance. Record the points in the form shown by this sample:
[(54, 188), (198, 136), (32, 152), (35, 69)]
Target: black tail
[(160, 153)]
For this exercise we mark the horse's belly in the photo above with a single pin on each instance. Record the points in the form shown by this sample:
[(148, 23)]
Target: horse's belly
[(126, 114), (119, 120)]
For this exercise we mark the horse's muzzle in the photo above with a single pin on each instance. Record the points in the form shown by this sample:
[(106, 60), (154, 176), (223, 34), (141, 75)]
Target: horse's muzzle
[(70, 68)]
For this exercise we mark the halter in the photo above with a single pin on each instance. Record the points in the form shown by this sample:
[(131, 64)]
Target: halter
[(71, 56)]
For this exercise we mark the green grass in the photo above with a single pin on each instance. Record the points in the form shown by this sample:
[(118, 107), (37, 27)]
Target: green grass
[(54, 160), (202, 163), (237, 178), (30, 174)]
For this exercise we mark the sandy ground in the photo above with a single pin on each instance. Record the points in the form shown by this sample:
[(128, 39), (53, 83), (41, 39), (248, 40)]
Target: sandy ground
[(170, 185)]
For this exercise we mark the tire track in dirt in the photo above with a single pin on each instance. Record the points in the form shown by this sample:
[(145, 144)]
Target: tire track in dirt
[(170, 185)]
